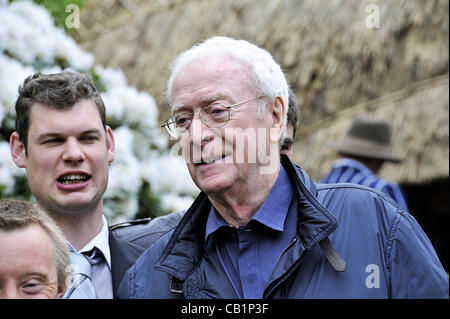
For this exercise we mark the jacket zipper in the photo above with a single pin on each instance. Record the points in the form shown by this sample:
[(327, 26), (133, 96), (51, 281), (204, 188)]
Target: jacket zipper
[(292, 243), (282, 253)]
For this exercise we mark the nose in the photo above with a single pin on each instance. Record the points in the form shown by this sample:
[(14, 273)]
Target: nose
[(73, 151), (199, 132), (198, 136), (9, 291)]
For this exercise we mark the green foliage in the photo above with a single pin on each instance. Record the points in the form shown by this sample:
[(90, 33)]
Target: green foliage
[(57, 9), (97, 81), (21, 188), (149, 203), (7, 127)]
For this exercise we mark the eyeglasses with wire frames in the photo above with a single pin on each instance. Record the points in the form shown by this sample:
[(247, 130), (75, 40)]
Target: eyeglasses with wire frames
[(213, 116)]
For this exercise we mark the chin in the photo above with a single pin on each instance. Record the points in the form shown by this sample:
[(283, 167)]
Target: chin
[(76, 204), (213, 186)]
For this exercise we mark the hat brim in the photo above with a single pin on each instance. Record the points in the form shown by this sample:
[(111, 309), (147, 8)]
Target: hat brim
[(362, 148)]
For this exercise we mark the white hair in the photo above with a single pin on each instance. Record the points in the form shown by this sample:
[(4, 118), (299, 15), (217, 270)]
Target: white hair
[(266, 74)]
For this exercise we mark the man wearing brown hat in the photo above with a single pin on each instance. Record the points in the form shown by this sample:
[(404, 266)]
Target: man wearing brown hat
[(366, 147)]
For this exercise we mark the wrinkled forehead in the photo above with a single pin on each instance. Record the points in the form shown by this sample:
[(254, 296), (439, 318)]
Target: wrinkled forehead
[(209, 78)]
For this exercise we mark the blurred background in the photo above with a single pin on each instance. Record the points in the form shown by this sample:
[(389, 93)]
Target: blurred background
[(386, 59)]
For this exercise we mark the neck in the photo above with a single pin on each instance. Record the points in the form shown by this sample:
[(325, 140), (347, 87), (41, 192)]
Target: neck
[(79, 227), (240, 203)]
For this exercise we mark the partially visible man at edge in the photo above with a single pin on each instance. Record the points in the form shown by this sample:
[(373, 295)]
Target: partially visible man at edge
[(62, 140), (287, 146), (34, 256), (261, 228)]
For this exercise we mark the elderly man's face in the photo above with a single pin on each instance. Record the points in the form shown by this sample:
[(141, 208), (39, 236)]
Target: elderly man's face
[(231, 155), (27, 265)]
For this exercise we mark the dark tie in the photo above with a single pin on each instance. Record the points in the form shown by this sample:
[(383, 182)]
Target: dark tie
[(94, 256)]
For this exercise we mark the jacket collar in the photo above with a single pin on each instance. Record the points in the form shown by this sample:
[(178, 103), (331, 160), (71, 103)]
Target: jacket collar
[(123, 256), (315, 222), (185, 247)]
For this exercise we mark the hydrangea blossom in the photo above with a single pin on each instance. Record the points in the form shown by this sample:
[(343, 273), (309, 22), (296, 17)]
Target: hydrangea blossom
[(173, 203), (2, 112), (169, 174), (12, 74), (7, 161), (111, 78), (30, 42), (29, 34), (8, 170)]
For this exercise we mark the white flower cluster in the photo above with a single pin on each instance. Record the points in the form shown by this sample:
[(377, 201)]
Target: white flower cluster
[(12, 74), (29, 41), (28, 33), (8, 170)]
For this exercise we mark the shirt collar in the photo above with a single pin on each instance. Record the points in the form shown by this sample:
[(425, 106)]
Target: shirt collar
[(101, 242), (273, 211)]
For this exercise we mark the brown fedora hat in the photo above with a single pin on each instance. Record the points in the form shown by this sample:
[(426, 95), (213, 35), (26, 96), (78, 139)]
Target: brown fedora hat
[(369, 138)]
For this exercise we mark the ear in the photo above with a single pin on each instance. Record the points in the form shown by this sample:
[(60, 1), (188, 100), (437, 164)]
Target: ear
[(110, 144), (278, 116), (60, 292), (18, 150)]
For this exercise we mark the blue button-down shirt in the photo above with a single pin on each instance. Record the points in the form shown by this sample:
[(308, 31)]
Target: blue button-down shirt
[(248, 254), (347, 170)]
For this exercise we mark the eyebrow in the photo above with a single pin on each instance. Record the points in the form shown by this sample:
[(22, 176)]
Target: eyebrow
[(204, 101), (91, 131), (41, 275)]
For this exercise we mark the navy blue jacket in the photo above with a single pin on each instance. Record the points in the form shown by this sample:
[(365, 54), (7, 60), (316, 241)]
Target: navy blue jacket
[(379, 251)]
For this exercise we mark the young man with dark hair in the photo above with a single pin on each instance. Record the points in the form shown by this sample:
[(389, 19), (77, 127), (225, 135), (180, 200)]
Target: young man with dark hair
[(63, 142)]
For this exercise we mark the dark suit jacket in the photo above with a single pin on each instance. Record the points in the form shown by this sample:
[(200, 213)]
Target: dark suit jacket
[(144, 232), (123, 256)]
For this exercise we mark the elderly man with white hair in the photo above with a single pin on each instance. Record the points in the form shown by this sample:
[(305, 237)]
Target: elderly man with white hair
[(261, 228)]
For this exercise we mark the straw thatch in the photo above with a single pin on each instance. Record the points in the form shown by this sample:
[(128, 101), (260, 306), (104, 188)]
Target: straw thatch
[(419, 114), (332, 59)]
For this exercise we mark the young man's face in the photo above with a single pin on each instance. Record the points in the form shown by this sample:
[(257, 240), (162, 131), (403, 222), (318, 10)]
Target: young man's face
[(27, 265), (67, 158)]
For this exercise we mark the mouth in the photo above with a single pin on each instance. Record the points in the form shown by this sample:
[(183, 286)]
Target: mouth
[(71, 179), (211, 160)]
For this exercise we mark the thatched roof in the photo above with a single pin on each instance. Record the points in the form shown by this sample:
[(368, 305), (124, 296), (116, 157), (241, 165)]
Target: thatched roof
[(333, 61), (419, 114)]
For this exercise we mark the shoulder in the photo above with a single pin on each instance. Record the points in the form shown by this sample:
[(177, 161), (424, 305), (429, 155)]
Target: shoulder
[(144, 232), (354, 193), (357, 204)]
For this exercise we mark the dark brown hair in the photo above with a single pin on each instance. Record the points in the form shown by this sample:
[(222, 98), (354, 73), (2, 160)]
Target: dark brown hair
[(60, 90), (292, 115)]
